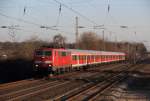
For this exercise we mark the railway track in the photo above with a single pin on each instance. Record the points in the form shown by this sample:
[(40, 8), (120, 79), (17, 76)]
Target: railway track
[(89, 92), (28, 90), (83, 93), (24, 85), (101, 95), (16, 93), (86, 87), (60, 90), (91, 71), (17, 83), (45, 89)]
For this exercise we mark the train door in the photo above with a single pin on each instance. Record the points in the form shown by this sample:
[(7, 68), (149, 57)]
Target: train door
[(65, 58), (99, 59), (55, 59), (88, 59), (59, 59)]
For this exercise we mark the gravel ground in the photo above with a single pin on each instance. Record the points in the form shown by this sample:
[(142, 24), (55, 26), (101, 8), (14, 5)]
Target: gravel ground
[(135, 88)]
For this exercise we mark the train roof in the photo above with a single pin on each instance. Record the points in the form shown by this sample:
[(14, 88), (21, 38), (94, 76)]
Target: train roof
[(96, 52), (77, 51)]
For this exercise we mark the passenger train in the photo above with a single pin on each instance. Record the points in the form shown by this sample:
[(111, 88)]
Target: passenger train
[(50, 60)]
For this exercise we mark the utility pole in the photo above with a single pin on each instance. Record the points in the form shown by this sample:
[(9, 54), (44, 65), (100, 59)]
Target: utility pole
[(110, 33), (76, 33), (11, 32), (116, 43), (103, 40), (128, 51), (135, 49)]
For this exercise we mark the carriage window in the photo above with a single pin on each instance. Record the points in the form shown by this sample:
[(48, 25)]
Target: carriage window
[(74, 57), (48, 53), (83, 58), (80, 57), (63, 54)]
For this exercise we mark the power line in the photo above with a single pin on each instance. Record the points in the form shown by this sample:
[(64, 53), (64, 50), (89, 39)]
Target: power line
[(81, 2), (18, 19), (86, 18), (25, 21)]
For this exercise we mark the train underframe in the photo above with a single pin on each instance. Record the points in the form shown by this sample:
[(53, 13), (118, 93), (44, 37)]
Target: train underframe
[(45, 71)]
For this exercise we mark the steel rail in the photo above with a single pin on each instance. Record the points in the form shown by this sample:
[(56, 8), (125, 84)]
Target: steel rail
[(33, 93), (80, 97), (97, 96), (28, 90), (75, 91), (16, 83)]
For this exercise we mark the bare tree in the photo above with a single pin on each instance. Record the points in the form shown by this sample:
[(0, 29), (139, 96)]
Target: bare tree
[(59, 41), (88, 40)]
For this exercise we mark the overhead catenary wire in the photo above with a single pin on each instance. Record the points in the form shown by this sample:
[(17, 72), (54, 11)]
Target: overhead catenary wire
[(13, 28), (28, 22), (78, 13), (58, 17), (81, 2), (41, 26), (57, 22), (24, 21), (107, 13), (24, 10)]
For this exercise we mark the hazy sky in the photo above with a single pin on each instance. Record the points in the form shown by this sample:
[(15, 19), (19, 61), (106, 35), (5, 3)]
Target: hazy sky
[(29, 15)]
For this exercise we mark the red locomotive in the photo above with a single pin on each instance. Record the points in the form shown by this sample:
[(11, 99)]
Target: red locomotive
[(52, 60)]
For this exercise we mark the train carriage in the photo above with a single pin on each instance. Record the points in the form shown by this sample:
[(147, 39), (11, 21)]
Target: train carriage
[(54, 60)]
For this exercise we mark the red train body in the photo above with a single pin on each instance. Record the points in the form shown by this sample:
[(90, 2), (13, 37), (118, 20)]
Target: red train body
[(54, 60)]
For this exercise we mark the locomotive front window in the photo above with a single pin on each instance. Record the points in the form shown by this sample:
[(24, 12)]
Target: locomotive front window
[(39, 53), (48, 53), (43, 53)]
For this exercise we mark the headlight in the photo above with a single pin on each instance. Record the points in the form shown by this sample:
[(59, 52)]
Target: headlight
[(36, 65), (47, 61)]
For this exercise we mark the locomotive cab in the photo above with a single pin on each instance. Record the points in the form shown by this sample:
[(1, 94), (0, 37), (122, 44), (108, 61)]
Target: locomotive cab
[(43, 60)]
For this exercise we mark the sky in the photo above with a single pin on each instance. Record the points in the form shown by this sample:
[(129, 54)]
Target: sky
[(26, 17)]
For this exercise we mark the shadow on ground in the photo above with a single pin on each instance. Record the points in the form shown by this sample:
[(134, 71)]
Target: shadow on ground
[(13, 70), (140, 86)]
